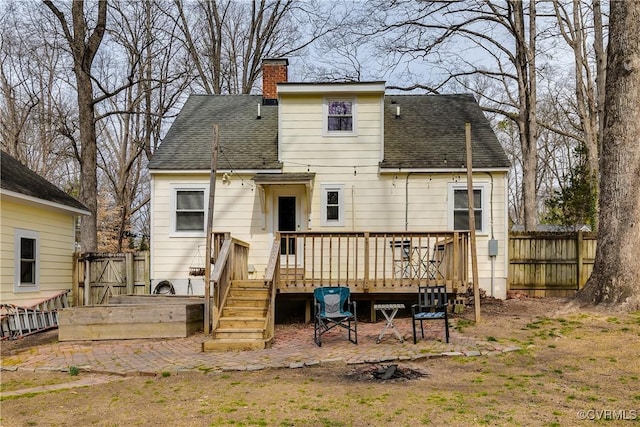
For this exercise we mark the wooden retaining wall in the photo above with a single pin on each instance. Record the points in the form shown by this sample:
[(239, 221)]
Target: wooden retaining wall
[(550, 264)]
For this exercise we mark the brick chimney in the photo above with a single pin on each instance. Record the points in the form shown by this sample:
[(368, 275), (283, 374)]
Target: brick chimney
[(274, 71)]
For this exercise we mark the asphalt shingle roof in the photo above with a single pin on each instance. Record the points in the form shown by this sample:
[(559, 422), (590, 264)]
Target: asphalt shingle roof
[(429, 134), (245, 141), (20, 179)]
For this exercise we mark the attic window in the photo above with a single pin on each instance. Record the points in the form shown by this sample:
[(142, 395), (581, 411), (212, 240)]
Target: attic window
[(339, 116)]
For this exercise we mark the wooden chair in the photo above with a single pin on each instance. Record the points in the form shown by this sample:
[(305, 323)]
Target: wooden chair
[(432, 305), (333, 307)]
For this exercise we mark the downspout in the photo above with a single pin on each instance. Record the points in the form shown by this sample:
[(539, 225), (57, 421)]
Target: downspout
[(406, 202)]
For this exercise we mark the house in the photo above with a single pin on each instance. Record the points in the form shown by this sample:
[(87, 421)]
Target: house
[(37, 236), (332, 169)]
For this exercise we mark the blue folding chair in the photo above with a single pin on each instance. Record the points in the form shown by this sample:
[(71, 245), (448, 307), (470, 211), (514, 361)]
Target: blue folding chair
[(333, 307)]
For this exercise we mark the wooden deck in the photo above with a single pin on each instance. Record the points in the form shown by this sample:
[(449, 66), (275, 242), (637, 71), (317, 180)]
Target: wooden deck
[(372, 262)]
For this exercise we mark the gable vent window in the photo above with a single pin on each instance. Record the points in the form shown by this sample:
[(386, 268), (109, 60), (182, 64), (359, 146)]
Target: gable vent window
[(339, 117)]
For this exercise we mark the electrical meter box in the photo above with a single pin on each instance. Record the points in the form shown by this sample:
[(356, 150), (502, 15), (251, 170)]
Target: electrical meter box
[(493, 247)]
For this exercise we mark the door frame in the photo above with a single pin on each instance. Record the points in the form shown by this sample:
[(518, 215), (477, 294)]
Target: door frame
[(298, 191)]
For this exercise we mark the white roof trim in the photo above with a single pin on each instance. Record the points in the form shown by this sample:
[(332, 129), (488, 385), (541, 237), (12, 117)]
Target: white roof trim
[(328, 88), (30, 200), (207, 171), (440, 170)]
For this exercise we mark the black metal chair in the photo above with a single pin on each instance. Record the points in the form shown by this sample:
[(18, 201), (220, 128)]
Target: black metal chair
[(333, 307), (432, 305)]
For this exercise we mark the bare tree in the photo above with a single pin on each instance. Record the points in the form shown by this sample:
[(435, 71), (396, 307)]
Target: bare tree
[(503, 37), (34, 102), (84, 36), (589, 89), (616, 274), (227, 40), (130, 122)]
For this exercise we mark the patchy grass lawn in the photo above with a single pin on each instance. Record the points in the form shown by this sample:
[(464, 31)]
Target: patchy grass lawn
[(572, 366)]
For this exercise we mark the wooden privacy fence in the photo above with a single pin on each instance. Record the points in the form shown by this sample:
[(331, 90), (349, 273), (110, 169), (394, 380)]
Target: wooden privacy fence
[(550, 264), (97, 276)]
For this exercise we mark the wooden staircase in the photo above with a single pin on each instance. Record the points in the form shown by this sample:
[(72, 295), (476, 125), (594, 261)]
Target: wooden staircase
[(242, 324)]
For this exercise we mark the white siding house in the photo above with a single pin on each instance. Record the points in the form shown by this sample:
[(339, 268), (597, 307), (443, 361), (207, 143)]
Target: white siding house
[(324, 157)]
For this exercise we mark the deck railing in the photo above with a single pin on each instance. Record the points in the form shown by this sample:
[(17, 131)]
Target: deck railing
[(373, 261)]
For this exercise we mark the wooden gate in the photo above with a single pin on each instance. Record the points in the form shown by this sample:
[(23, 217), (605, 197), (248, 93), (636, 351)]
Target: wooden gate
[(97, 276)]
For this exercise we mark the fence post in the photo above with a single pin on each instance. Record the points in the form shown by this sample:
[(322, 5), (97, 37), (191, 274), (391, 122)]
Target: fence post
[(129, 272), (75, 286), (147, 272), (87, 280), (580, 259)]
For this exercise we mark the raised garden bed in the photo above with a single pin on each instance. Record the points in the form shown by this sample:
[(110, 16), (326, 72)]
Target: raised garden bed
[(133, 317)]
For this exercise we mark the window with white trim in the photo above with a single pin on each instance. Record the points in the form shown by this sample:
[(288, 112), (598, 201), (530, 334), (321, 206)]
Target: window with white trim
[(27, 261), (189, 210), (459, 208), (339, 117), (332, 205)]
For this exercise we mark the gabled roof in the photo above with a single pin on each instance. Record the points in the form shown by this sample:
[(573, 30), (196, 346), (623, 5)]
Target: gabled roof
[(429, 134), (245, 141), (19, 181)]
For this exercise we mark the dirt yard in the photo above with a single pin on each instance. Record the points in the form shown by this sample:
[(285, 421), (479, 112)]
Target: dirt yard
[(574, 367)]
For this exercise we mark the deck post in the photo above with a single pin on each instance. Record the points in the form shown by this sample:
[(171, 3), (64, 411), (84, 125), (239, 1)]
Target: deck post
[(366, 262), (472, 224), (209, 231)]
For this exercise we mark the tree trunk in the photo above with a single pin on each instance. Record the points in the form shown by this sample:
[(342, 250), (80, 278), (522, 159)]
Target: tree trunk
[(83, 48), (616, 274), (527, 122), (88, 163)]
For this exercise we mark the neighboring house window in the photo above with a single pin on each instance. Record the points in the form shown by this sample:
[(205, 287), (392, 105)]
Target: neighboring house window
[(189, 213), (339, 117), (332, 205), (459, 203), (27, 261)]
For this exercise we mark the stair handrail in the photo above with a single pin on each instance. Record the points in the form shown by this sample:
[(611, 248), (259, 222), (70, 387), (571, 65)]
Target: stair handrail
[(220, 278), (270, 278)]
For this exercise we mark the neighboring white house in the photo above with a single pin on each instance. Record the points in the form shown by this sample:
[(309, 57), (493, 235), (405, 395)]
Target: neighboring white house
[(37, 236), (327, 157)]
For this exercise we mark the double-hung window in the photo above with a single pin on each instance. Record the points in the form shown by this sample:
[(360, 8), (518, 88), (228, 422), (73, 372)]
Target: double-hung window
[(339, 117), (189, 210), (332, 205), (459, 208), (27, 260)]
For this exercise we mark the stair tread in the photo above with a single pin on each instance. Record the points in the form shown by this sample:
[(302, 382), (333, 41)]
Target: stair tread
[(239, 329), (243, 317)]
